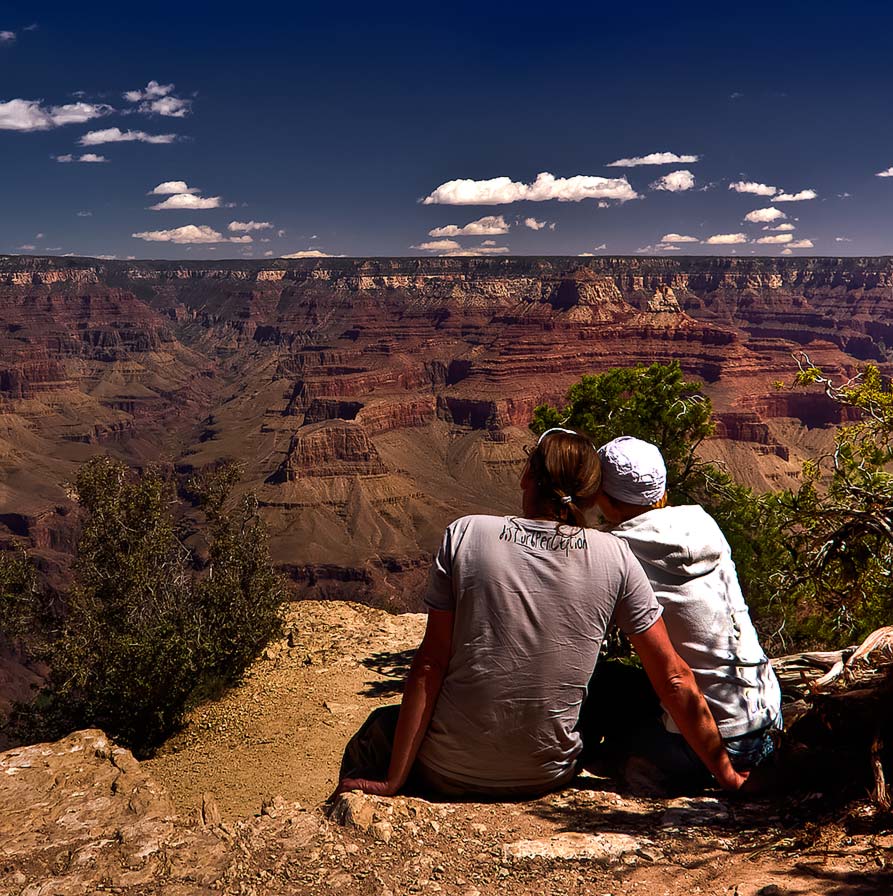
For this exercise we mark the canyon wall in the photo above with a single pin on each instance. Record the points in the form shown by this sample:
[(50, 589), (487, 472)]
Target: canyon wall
[(369, 401)]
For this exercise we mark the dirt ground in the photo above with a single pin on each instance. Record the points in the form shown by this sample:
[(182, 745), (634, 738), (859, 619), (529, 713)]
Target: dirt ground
[(282, 733)]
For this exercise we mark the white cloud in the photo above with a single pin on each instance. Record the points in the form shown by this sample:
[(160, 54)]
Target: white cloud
[(774, 240), (27, 247), (725, 239), (85, 214), (533, 224), (437, 246), (764, 215), (157, 99), (842, 239), (675, 182), (281, 233), (7, 37), (786, 252), (781, 227), (247, 226), (187, 201), (887, 172), (503, 190), (665, 247), (31, 115), (603, 204), (473, 251), (802, 244), (678, 238), (795, 197), (189, 233), (655, 158), (116, 135), (749, 186), (490, 224), (268, 253), (172, 186), (84, 157), (310, 253)]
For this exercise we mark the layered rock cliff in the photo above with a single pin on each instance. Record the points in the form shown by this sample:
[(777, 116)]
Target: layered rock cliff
[(371, 400)]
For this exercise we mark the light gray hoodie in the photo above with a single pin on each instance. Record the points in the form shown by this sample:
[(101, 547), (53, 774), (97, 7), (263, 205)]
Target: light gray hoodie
[(689, 564)]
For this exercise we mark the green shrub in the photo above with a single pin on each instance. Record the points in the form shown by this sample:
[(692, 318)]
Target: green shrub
[(146, 634)]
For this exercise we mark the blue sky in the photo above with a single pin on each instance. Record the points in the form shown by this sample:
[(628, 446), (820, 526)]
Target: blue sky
[(286, 128)]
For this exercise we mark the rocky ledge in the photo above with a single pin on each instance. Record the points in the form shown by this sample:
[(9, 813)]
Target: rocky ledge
[(82, 816)]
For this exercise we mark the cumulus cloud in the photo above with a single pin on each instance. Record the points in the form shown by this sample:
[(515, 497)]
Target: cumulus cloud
[(503, 190), (675, 182), (887, 172), (842, 239), (268, 254), (786, 252), (438, 246), (116, 135), (187, 201), (189, 233), (84, 157), (310, 253), (32, 115), (85, 214), (678, 238), (248, 226), (725, 239), (774, 240), (533, 224), (795, 197), (655, 158), (764, 215), (666, 247), (802, 244), (490, 224), (157, 99), (475, 251), (749, 186), (7, 37), (781, 227), (172, 186)]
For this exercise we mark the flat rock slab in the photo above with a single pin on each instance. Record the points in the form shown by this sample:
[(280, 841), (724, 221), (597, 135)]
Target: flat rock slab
[(603, 848)]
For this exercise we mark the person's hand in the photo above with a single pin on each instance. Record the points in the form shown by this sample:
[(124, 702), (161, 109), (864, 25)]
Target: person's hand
[(733, 780), (376, 788)]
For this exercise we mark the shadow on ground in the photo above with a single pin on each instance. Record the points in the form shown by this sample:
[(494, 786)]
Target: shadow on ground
[(394, 666)]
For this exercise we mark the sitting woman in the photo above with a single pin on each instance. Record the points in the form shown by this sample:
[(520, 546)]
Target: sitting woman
[(518, 608), (689, 565)]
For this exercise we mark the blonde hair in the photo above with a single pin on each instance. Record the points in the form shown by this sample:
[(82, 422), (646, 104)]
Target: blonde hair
[(567, 473)]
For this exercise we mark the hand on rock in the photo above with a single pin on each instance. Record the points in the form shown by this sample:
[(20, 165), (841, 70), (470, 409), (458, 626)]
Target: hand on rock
[(376, 788)]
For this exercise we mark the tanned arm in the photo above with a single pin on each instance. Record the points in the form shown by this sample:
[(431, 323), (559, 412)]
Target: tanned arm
[(675, 684), (420, 694)]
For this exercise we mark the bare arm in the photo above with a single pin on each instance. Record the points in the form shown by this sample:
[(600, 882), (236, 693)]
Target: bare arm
[(675, 684), (420, 694)]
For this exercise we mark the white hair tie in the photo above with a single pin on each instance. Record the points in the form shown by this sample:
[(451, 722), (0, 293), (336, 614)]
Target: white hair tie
[(567, 499)]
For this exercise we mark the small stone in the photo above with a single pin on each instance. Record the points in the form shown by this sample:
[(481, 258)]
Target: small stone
[(210, 813), (382, 831), (479, 829), (353, 809)]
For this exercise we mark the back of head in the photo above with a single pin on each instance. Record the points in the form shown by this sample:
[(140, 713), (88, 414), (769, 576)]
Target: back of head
[(566, 474), (633, 473)]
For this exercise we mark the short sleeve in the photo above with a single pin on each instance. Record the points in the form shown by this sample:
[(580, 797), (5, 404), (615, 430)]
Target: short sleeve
[(439, 592), (637, 608)]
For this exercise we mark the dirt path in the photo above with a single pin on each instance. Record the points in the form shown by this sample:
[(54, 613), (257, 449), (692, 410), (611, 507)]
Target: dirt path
[(283, 730)]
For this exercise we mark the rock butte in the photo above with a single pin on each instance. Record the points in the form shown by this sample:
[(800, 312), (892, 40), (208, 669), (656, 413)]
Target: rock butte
[(372, 400)]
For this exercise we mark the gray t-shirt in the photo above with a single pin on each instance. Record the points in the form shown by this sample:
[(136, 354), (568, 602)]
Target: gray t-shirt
[(532, 603)]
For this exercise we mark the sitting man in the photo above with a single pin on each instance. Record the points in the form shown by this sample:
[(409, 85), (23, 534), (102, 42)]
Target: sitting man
[(689, 565)]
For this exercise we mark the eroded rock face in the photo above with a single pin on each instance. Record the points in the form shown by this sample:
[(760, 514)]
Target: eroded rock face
[(81, 813), (372, 400)]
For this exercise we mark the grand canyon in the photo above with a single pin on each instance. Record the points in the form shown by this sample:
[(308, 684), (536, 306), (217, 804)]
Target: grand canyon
[(369, 401)]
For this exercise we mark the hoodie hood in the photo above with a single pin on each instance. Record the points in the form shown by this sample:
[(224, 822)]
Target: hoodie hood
[(683, 541)]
